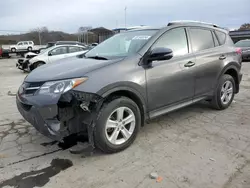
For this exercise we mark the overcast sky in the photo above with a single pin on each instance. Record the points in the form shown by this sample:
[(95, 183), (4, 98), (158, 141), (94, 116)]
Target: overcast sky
[(69, 15)]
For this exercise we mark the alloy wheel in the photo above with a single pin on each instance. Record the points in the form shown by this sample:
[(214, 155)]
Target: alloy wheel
[(226, 92), (120, 125)]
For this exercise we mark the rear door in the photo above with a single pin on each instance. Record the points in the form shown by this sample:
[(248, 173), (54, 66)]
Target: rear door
[(58, 53), (209, 56), (25, 45)]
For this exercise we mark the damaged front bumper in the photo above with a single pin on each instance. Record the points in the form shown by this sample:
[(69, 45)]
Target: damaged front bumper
[(23, 64), (58, 117)]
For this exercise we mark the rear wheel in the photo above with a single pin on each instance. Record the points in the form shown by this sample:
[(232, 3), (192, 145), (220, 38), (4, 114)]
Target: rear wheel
[(224, 93), (117, 125), (13, 49), (29, 49)]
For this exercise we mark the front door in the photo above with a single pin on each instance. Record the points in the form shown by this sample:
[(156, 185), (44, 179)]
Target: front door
[(25, 45), (58, 53), (20, 46), (171, 81)]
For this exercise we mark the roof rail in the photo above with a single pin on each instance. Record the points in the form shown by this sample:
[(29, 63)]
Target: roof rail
[(176, 22)]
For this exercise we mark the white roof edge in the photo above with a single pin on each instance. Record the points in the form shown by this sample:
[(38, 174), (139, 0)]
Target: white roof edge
[(192, 21)]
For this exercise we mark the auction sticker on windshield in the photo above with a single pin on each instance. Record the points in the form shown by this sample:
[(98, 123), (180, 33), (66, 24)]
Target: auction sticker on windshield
[(142, 37)]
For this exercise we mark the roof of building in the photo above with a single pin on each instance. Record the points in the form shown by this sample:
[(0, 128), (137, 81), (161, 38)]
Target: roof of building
[(242, 32), (100, 30)]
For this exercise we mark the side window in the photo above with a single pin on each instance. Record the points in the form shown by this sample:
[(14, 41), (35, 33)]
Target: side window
[(30, 43), (25, 43), (201, 39), (73, 49), (20, 44), (175, 39), (221, 37), (59, 51), (216, 42)]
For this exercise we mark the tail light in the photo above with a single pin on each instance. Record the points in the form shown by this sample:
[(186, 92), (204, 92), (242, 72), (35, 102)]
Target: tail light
[(238, 51), (1, 51)]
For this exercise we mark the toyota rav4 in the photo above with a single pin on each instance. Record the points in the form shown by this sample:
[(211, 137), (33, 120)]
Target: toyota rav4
[(109, 92)]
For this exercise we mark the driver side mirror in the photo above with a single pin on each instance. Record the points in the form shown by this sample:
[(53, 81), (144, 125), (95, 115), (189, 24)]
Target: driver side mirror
[(160, 54), (49, 54)]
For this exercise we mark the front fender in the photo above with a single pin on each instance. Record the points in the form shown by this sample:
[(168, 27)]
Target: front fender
[(124, 86)]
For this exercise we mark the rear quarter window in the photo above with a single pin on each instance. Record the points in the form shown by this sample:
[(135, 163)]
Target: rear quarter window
[(221, 37)]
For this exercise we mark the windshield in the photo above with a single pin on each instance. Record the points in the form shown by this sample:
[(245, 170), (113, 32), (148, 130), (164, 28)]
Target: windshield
[(243, 44), (122, 44)]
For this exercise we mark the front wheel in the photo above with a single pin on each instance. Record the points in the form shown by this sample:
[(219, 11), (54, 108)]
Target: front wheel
[(29, 49), (117, 125), (35, 65), (224, 93)]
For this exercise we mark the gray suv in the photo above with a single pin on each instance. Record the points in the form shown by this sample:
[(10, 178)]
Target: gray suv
[(109, 92)]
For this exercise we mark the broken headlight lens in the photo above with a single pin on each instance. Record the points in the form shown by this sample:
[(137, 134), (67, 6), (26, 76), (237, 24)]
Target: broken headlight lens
[(62, 86)]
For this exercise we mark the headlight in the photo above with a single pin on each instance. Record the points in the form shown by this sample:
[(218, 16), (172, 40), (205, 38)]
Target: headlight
[(62, 86)]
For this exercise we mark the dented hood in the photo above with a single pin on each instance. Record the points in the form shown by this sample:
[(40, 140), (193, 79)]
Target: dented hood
[(67, 68)]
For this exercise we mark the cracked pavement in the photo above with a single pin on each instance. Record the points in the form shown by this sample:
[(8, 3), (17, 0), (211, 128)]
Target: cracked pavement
[(191, 148)]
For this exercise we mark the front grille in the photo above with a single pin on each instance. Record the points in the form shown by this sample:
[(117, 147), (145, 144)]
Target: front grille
[(29, 88)]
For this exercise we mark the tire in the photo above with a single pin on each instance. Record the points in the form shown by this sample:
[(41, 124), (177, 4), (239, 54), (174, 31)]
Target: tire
[(29, 49), (13, 50), (35, 65), (102, 134), (218, 102)]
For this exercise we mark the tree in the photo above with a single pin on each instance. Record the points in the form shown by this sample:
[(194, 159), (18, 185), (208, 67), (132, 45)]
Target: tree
[(44, 29), (245, 26)]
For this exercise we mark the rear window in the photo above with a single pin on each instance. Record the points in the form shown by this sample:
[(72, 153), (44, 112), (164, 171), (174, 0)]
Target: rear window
[(221, 37), (201, 39)]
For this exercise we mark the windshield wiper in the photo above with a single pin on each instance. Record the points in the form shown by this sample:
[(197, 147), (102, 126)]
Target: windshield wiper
[(98, 57)]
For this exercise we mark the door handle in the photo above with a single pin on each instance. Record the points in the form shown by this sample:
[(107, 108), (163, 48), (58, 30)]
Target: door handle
[(189, 64), (222, 57)]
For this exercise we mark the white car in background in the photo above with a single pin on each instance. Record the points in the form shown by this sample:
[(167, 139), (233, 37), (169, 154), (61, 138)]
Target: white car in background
[(22, 46), (55, 53)]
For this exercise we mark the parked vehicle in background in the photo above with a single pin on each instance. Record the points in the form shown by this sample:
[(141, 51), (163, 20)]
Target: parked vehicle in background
[(50, 44), (55, 53), (245, 47), (1, 51), (70, 43), (22, 63), (93, 45), (109, 92), (22, 46), (4, 52)]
